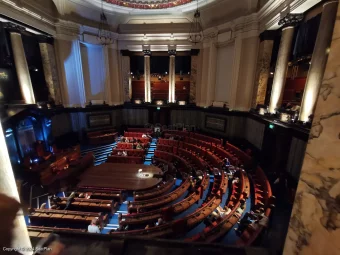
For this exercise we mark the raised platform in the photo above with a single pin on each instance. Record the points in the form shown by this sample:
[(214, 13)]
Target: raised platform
[(120, 176)]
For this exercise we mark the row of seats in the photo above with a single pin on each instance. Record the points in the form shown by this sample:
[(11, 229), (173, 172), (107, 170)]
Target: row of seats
[(125, 160), (184, 134), (263, 200), (130, 152), (144, 205), (162, 188), (181, 226), (51, 217), (168, 212), (125, 146), (115, 195), (145, 140), (89, 204), (44, 232), (133, 134), (183, 165)]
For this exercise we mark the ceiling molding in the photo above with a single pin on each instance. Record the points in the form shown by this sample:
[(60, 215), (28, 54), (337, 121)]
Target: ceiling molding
[(61, 6)]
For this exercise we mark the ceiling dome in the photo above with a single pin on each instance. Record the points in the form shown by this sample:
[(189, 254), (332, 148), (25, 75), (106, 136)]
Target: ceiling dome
[(148, 4)]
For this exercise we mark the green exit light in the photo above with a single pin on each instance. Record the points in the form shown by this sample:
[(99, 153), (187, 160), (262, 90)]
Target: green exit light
[(271, 126), (158, 108)]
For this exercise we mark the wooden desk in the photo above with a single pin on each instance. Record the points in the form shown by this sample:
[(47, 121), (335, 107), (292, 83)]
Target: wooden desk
[(119, 176)]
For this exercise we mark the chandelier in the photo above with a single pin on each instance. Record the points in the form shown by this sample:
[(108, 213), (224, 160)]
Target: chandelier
[(196, 29), (104, 37)]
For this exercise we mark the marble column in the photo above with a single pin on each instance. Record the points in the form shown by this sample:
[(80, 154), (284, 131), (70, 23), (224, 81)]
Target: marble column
[(319, 60), (113, 85), (211, 79), (193, 78), (280, 74), (263, 72), (21, 65), (8, 187), (172, 78), (125, 78), (314, 227), (50, 71), (147, 83)]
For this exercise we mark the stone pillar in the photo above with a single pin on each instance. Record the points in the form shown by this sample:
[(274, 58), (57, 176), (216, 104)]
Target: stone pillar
[(263, 70), (20, 238), (20, 61), (193, 78), (113, 85), (125, 78), (319, 60), (314, 226), (147, 83), (280, 74), (50, 70), (172, 77)]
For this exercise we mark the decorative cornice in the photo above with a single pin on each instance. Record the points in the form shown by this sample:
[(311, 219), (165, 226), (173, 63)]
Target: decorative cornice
[(290, 20), (11, 27), (172, 52)]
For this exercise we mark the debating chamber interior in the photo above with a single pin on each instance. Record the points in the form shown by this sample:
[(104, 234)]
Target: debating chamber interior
[(167, 127)]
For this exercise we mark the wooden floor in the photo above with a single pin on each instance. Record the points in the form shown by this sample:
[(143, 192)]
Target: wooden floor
[(120, 176)]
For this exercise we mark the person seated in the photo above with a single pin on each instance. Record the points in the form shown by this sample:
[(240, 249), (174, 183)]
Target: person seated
[(147, 227), (119, 153), (87, 196), (139, 146), (144, 136), (171, 138), (122, 139), (236, 180), (159, 222), (55, 199), (93, 228), (81, 195), (124, 153)]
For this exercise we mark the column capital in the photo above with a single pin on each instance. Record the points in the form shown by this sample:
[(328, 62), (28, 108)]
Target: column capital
[(14, 28), (147, 52), (291, 20), (172, 52), (45, 39), (330, 2)]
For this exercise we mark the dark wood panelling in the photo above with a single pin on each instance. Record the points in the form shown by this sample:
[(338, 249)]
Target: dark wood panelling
[(160, 90), (138, 89), (182, 90)]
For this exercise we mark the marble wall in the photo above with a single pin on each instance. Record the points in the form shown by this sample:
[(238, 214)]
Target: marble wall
[(263, 72), (193, 78), (50, 71), (125, 76), (315, 222)]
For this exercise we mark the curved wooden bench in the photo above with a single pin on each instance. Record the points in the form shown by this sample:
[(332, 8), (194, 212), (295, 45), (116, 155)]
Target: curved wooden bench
[(180, 226), (169, 211), (157, 191), (92, 205), (139, 206)]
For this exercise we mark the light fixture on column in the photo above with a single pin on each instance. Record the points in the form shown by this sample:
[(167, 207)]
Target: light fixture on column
[(196, 29), (104, 37)]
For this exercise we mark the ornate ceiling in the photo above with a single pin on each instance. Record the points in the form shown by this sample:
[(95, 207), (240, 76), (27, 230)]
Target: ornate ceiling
[(147, 4)]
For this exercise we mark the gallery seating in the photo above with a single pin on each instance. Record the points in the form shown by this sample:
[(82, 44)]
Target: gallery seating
[(133, 134)]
